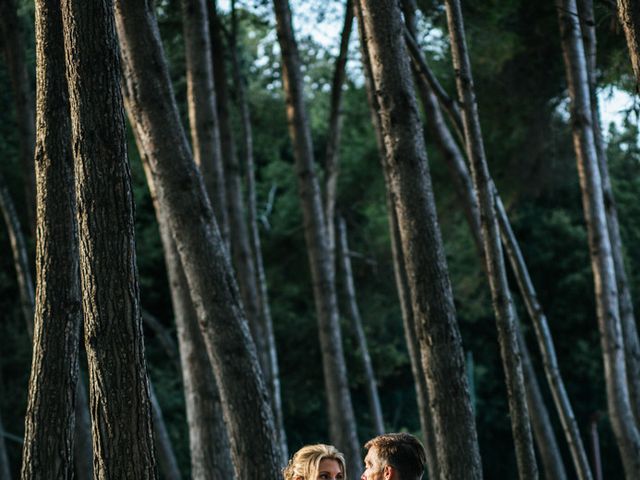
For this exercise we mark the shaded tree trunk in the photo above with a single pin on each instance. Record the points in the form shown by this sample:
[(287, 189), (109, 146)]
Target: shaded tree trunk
[(432, 299), (50, 417), (203, 114), (501, 296), (627, 316), (342, 424), (164, 449), (256, 247), (14, 51), (119, 391), (356, 320), (602, 263), (629, 14), (180, 193), (82, 447)]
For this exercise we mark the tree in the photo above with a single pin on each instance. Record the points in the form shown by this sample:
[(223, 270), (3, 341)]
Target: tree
[(629, 14), (119, 390)]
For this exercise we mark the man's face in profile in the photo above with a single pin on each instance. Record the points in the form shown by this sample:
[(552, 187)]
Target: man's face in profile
[(374, 468)]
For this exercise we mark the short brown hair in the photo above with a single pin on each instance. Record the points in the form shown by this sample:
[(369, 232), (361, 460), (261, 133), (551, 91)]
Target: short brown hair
[(402, 451)]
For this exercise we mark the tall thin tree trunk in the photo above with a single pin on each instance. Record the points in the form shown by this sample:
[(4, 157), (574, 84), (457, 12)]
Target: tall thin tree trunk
[(501, 296), (356, 319), (629, 14), (82, 446), (5, 467), (50, 418), (119, 391), (602, 264), (342, 424), (14, 51), (595, 447), (167, 463), (203, 113), (256, 247), (180, 193), (331, 163), (432, 299), (627, 316)]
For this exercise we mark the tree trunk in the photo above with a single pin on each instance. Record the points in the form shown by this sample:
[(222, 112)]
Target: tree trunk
[(180, 193), (256, 247), (627, 316), (203, 114), (331, 168), (119, 391), (595, 447), (50, 417), (432, 299), (629, 14), (82, 447), (164, 449), (341, 417), (501, 296), (356, 319), (602, 264), (14, 51)]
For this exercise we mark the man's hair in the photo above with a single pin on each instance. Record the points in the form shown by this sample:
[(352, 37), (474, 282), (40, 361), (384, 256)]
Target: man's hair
[(402, 451)]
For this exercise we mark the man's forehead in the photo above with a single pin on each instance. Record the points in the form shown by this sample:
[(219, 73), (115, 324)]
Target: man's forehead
[(372, 454)]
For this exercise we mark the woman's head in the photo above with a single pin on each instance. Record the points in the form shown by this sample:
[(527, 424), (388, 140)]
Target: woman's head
[(316, 462)]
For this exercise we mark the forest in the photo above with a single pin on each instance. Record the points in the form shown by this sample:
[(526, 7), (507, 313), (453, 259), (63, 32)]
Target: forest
[(236, 227)]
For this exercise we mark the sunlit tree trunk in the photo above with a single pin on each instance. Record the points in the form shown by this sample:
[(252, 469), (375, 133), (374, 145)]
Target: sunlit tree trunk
[(432, 299), (629, 14), (119, 391), (496, 270), (342, 423), (180, 193), (13, 43), (602, 264), (49, 424)]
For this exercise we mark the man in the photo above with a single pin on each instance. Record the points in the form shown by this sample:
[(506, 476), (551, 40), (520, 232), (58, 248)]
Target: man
[(394, 456)]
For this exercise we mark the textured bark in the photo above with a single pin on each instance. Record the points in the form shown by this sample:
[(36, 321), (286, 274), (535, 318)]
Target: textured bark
[(167, 462), (203, 114), (494, 261), (356, 320), (180, 193), (50, 418), (209, 448), (14, 51), (602, 264), (629, 14), (240, 247), (256, 247), (331, 162), (342, 424), (627, 315), (119, 391), (432, 299)]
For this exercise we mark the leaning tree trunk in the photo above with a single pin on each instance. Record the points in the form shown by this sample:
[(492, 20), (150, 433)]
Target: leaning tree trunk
[(342, 424), (180, 192), (627, 316), (494, 260), (13, 42), (629, 14), (619, 406), (356, 320), (119, 391), (209, 448), (432, 299), (256, 247), (50, 417), (203, 115)]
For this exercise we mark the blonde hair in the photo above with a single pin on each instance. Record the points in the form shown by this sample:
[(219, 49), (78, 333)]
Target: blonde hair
[(305, 462)]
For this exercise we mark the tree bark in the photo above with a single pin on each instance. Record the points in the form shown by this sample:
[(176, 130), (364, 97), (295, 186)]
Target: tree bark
[(14, 51), (627, 315), (501, 296), (256, 246), (629, 14), (119, 391), (602, 263), (356, 320), (180, 192), (432, 299), (203, 114), (50, 417), (342, 424)]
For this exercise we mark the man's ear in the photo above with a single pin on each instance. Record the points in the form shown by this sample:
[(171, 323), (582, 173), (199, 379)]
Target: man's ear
[(389, 473)]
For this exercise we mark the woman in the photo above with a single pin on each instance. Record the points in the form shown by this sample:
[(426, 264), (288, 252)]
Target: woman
[(316, 462)]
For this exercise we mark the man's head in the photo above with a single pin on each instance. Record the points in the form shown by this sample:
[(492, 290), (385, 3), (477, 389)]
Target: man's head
[(394, 456)]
